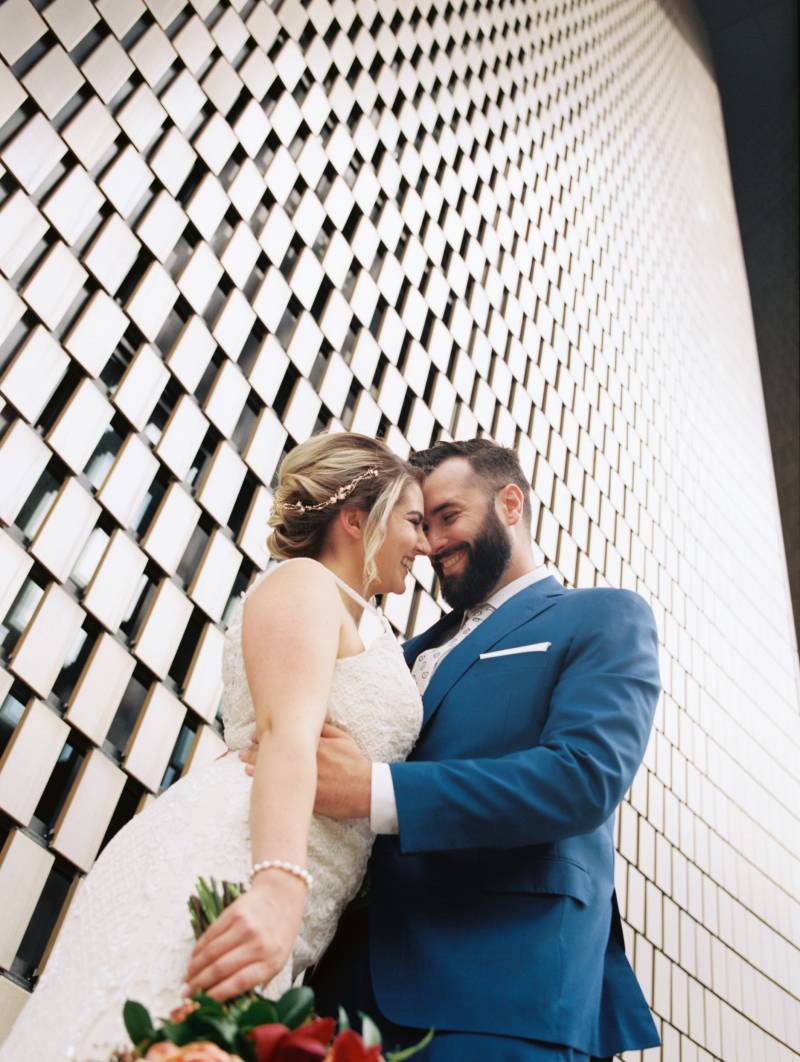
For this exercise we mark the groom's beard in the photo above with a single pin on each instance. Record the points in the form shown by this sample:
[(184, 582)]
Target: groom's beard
[(486, 560)]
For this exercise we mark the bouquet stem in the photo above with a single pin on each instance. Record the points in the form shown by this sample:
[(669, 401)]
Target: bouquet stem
[(210, 900)]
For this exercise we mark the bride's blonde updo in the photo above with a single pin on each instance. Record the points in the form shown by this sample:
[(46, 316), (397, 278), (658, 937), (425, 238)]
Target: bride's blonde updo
[(320, 476)]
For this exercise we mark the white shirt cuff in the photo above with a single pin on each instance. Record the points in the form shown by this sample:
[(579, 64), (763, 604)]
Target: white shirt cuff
[(383, 806)]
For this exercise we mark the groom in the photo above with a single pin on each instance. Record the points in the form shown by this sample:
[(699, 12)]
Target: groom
[(491, 913)]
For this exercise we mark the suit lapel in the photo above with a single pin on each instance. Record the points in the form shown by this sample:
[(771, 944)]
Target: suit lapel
[(441, 631), (520, 609)]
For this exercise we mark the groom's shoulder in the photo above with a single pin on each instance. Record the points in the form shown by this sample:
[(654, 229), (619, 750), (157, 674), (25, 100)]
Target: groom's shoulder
[(603, 602)]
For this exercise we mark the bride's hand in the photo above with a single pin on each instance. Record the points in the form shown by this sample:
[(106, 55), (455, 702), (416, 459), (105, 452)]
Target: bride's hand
[(250, 941)]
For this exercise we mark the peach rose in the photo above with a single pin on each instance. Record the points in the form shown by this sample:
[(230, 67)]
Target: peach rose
[(196, 1052), (163, 1052), (205, 1052)]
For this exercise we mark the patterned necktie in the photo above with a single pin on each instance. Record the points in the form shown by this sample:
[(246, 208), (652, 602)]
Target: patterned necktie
[(427, 661)]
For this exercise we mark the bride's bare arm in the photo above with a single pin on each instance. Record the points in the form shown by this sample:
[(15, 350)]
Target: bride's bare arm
[(290, 639)]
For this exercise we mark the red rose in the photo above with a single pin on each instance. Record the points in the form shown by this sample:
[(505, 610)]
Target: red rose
[(349, 1047), (277, 1043)]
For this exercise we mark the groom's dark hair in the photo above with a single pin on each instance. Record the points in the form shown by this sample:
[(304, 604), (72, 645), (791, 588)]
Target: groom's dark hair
[(496, 465)]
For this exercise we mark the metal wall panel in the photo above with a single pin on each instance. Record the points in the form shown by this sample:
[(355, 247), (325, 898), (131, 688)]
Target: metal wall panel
[(226, 226)]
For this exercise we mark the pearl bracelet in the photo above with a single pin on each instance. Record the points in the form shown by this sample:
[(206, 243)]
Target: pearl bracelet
[(288, 868)]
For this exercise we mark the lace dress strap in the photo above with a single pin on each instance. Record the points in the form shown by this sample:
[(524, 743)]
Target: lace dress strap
[(351, 593)]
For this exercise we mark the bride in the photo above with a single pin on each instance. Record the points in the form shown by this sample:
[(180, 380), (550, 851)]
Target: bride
[(347, 522)]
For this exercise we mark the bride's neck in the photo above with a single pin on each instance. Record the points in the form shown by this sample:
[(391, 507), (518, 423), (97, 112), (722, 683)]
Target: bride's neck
[(349, 568)]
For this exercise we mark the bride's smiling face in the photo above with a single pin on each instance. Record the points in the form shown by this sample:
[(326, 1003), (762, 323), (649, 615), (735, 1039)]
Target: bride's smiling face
[(405, 539)]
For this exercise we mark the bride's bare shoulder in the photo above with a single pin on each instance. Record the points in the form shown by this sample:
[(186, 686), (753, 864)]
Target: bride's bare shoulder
[(298, 582)]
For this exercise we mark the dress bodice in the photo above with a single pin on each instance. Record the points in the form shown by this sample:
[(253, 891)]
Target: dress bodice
[(373, 696)]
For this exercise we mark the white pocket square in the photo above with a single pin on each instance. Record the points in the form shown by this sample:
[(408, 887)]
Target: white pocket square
[(539, 647)]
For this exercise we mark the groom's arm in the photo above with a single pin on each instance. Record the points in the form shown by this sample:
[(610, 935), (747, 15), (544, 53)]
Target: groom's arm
[(598, 725)]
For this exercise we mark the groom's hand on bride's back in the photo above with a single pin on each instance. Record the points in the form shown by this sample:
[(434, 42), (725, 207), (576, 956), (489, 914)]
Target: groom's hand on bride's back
[(344, 775)]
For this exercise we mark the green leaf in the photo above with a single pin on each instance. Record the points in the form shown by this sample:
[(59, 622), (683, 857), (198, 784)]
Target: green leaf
[(138, 1023), (245, 1049), (261, 1012), (400, 1056), (177, 1032), (219, 1030), (344, 1021), (295, 1006), (208, 1005), (370, 1033)]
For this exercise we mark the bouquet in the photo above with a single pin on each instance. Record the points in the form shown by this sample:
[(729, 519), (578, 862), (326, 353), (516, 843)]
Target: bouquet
[(248, 1028)]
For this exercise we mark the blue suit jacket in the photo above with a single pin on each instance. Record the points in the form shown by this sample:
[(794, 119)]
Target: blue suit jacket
[(493, 911)]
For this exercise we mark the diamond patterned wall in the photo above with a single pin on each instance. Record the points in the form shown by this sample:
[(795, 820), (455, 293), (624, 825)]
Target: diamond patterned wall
[(226, 226)]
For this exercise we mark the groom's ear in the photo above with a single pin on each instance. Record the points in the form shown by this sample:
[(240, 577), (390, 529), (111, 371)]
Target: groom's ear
[(512, 503)]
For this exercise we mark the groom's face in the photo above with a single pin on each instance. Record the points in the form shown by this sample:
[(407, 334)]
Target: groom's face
[(470, 544)]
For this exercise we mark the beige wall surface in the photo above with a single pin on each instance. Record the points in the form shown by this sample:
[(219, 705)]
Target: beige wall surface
[(226, 226)]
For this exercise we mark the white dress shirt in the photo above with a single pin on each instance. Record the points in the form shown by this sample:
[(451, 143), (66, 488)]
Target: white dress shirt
[(383, 806)]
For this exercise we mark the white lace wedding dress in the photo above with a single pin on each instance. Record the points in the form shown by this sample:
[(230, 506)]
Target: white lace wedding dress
[(127, 933)]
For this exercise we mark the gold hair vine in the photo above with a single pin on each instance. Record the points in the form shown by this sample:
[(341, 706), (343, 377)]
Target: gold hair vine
[(340, 495)]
